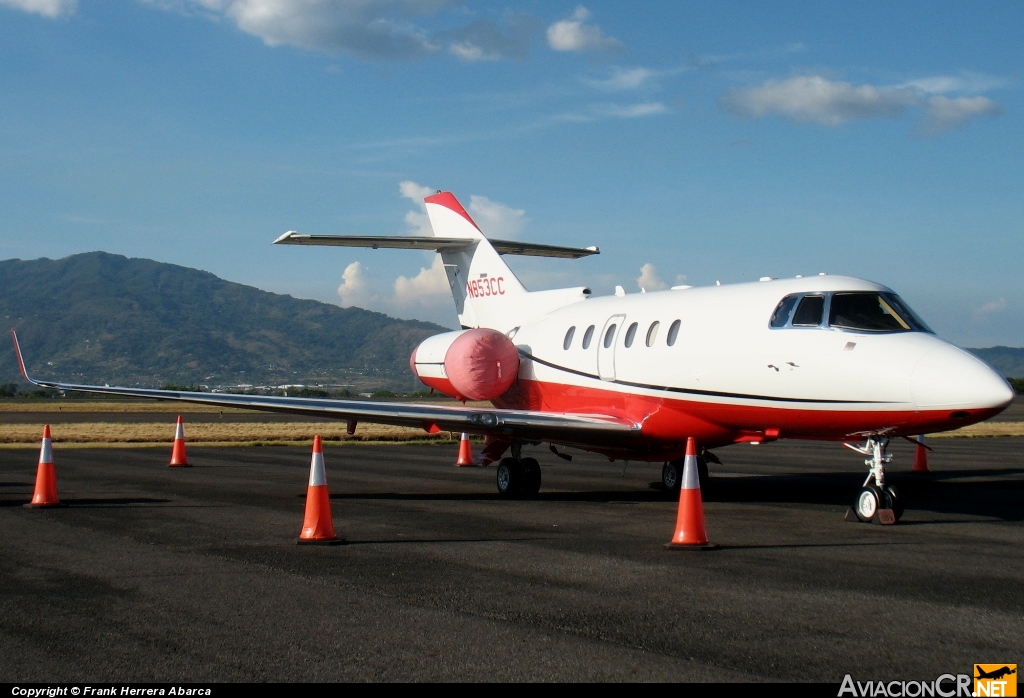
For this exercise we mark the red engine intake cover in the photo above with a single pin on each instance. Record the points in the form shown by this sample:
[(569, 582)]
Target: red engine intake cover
[(482, 364)]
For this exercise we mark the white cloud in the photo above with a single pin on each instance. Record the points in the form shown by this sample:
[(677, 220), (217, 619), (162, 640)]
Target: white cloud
[(496, 219), (427, 289), (573, 34), (943, 114), (597, 112), (990, 308), (965, 82), (47, 8), (649, 279), (623, 79), (358, 288), (814, 99), (417, 220), (486, 41)]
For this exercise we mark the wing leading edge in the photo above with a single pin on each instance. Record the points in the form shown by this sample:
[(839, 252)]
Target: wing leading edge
[(564, 428)]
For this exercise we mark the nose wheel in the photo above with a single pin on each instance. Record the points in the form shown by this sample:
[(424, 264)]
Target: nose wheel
[(876, 502)]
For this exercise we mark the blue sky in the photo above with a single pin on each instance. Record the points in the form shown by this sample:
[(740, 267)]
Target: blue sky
[(691, 141)]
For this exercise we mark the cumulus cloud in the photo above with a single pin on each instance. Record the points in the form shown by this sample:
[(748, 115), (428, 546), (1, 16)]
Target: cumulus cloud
[(496, 219), (47, 8), (596, 112), (574, 34), (623, 79), (486, 41), (943, 114), (649, 280), (990, 308), (417, 220), (427, 289), (358, 288), (814, 99)]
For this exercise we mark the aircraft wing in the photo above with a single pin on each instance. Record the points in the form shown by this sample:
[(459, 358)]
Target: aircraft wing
[(437, 244), (563, 428)]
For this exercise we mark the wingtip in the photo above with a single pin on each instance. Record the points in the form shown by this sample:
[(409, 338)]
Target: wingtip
[(21, 360), (285, 238)]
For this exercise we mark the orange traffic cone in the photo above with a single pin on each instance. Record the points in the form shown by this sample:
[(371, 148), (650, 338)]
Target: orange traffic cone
[(920, 457), (178, 457), (465, 452), (318, 526), (46, 477), (690, 533)]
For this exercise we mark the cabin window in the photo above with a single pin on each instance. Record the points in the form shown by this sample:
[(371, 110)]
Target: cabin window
[(609, 336), (782, 312), (809, 312), (630, 334), (673, 332), (652, 333), (587, 336), (512, 332), (568, 337)]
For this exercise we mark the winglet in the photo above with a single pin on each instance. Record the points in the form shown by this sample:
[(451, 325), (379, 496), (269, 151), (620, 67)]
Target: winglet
[(285, 238), (21, 361)]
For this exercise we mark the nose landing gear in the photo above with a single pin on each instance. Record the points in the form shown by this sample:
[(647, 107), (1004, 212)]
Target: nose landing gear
[(876, 502)]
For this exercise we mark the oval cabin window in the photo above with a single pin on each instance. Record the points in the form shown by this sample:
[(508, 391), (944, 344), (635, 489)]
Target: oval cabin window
[(630, 334), (652, 333), (587, 336), (568, 337), (673, 332)]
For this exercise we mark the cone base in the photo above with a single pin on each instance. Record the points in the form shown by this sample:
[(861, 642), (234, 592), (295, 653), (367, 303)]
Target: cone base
[(56, 505), (325, 541), (699, 547), (180, 465)]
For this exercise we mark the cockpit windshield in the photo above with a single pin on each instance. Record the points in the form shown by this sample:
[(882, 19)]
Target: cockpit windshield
[(871, 312), (860, 311)]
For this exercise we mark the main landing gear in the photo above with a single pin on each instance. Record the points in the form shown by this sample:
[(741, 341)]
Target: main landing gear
[(518, 476), (672, 471), (876, 502)]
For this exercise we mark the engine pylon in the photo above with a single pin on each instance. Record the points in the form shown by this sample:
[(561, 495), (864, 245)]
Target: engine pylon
[(318, 524), (690, 531), (45, 494), (178, 457), (920, 457), (465, 458)]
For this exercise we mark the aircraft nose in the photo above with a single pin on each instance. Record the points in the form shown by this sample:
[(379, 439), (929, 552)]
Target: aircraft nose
[(950, 377)]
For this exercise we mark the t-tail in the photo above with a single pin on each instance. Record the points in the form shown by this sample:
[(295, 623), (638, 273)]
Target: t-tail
[(486, 291)]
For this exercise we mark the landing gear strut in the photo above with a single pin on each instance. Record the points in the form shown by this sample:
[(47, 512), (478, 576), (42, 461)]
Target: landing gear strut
[(876, 502), (518, 476)]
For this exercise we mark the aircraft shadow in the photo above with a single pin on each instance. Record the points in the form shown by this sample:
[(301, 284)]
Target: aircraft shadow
[(118, 502)]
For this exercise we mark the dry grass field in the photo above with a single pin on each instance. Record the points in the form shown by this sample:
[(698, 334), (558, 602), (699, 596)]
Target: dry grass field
[(113, 431)]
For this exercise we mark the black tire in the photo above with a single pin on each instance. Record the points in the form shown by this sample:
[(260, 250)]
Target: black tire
[(895, 503), (672, 475), (509, 478), (531, 476), (869, 500)]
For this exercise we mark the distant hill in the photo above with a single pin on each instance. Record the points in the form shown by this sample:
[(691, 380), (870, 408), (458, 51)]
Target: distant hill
[(1007, 360), (104, 318)]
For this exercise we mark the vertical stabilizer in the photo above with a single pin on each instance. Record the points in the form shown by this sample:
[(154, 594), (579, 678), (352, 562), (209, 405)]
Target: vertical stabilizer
[(486, 292)]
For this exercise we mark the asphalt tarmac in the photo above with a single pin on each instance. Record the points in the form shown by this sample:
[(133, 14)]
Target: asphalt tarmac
[(192, 574)]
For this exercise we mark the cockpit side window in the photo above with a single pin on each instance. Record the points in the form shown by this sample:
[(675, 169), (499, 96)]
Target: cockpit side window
[(783, 310), (810, 311)]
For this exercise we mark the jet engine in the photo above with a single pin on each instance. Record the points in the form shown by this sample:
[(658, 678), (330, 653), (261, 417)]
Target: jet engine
[(478, 364)]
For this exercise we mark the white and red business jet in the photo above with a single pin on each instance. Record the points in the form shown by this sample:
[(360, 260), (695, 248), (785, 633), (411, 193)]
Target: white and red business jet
[(632, 376)]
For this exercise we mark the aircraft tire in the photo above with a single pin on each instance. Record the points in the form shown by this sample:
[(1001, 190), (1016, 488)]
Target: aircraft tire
[(672, 475), (869, 501), (531, 476), (509, 477), (895, 503)]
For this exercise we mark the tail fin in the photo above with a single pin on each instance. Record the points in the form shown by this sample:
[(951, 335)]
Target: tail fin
[(485, 290)]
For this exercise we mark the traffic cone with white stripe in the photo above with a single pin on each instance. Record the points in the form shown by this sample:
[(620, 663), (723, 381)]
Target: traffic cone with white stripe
[(690, 532), (465, 452), (46, 477), (318, 525), (178, 457), (920, 457)]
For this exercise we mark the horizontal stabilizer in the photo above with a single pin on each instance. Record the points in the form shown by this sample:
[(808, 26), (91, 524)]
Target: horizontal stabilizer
[(438, 244)]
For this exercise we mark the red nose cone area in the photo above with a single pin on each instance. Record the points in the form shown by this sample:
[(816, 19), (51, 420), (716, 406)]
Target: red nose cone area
[(482, 364)]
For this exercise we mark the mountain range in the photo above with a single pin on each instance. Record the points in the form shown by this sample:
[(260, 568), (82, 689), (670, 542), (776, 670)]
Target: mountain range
[(104, 318)]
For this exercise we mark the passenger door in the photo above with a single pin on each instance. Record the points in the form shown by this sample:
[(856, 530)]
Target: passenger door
[(607, 341)]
